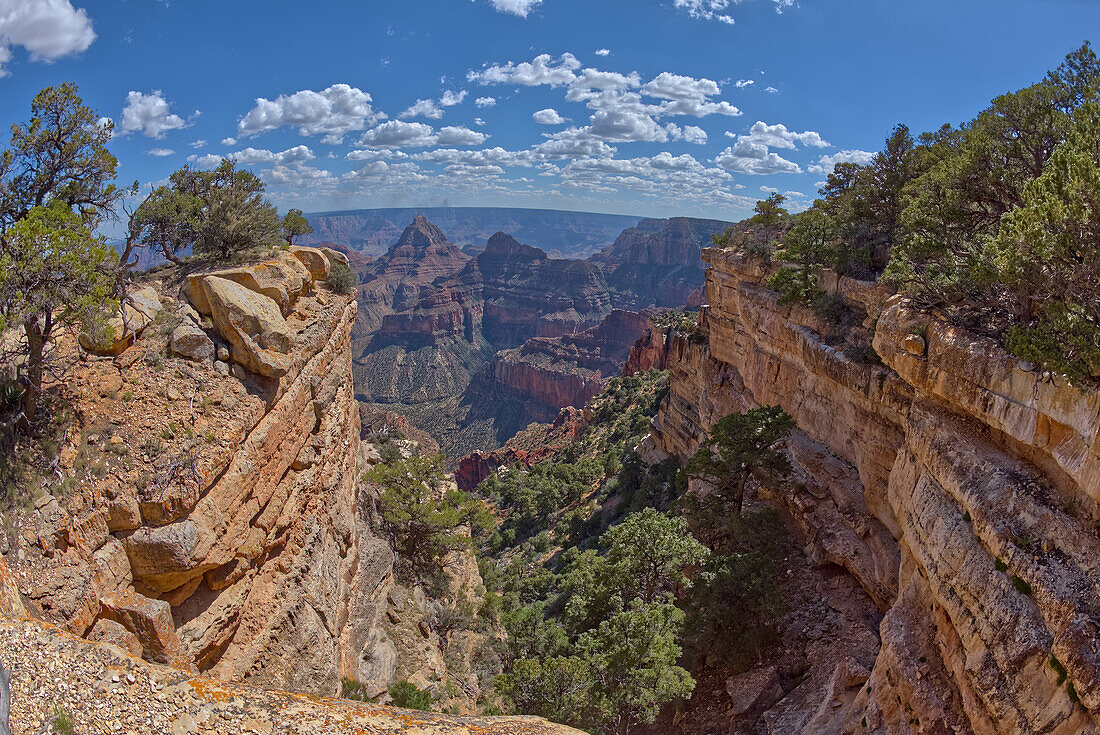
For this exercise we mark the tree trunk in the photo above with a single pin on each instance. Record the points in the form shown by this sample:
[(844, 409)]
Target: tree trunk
[(739, 496), (624, 725), (36, 345)]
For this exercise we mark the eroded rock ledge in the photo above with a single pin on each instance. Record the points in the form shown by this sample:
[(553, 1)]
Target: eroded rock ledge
[(955, 483), (103, 690)]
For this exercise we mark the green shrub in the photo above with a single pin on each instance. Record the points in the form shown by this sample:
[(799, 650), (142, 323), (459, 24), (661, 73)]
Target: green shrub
[(409, 696), (341, 279)]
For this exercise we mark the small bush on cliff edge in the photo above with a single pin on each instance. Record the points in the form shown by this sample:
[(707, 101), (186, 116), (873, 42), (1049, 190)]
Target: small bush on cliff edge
[(341, 279), (409, 696)]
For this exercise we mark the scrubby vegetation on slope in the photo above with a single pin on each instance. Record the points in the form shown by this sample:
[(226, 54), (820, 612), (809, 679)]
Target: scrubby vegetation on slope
[(993, 223)]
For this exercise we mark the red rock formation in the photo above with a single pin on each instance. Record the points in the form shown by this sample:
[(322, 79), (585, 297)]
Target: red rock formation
[(650, 352), (567, 371), (530, 446)]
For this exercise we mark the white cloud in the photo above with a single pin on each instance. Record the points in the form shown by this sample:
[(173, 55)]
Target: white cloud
[(423, 108), (479, 122), (454, 135), (161, 152), (541, 70), (706, 9), (206, 161), (603, 52), (742, 83), (148, 114), (450, 99), (770, 90), (251, 156), (200, 143), (398, 134), (47, 29), (549, 116), (778, 136), (749, 157), (694, 134), (676, 87), (229, 141), (485, 101), (332, 112), (515, 7), (826, 164)]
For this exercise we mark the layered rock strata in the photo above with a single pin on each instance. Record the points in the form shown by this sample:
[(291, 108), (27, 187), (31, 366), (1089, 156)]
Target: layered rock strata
[(956, 484)]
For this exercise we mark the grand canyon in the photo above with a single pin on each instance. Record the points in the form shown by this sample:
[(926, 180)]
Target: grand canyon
[(477, 415)]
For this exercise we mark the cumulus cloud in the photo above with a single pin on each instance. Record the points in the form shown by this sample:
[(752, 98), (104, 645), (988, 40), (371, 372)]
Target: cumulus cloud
[(47, 29), (229, 141), (750, 157), (398, 134), (603, 52), (423, 108), (826, 164), (515, 7), (778, 136), (549, 116), (694, 134), (148, 114), (485, 101), (543, 69), (332, 113), (291, 156), (450, 98), (742, 83)]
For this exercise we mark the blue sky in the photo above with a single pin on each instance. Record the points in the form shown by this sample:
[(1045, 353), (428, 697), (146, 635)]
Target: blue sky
[(648, 107)]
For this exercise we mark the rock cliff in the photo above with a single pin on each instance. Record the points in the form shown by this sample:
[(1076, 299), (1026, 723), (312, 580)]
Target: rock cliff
[(957, 485), (212, 516), (434, 342), (555, 372)]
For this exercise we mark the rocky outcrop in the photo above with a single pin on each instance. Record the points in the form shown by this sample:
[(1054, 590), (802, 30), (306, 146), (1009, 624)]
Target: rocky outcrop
[(138, 310), (102, 689), (217, 518), (530, 446), (656, 262), (649, 352), (953, 482), (555, 372)]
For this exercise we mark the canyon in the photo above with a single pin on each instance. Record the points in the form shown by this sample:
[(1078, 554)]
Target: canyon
[(563, 234), (215, 526), (472, 349), (954, 485)]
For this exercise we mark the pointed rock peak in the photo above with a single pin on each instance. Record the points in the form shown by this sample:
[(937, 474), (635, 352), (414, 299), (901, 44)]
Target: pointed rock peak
[(422, 234), (503, 244)]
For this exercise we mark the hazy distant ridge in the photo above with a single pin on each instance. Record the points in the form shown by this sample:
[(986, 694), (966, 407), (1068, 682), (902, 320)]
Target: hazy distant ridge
[(559, 233)]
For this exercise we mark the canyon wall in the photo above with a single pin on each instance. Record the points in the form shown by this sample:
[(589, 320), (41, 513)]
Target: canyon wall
[(213, 516), (956, 484)]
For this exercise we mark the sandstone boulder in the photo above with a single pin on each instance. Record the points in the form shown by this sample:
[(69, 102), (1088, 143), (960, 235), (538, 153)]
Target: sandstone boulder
[(115, 634), (192, 343), (260, 339), (335, 256), (316, 261), (138, 311), (151, 623)]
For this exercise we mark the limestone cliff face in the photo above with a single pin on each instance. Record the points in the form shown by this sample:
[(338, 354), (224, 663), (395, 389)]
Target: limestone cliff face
[(215, 518), (955, 483)]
